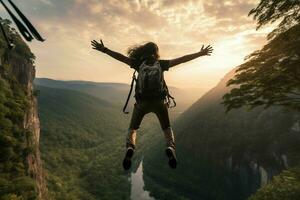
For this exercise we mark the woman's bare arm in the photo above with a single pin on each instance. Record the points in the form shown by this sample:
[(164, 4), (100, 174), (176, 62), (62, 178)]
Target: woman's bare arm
[(118, 56), (203, 52)]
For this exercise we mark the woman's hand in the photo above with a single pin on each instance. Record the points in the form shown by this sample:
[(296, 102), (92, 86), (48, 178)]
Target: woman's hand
[(203, 52), (206, 51), (98, 46), (118, 56)]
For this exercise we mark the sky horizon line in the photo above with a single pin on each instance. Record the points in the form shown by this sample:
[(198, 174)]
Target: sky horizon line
[(178, 27)]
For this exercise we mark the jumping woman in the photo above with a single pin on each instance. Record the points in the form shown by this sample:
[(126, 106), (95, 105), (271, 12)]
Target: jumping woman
[(151, 92)]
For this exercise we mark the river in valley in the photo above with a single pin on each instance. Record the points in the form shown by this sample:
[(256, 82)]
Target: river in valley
[(137, 185)]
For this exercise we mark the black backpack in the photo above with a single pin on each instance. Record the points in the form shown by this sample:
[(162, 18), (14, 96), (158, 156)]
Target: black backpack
[(150, 83)]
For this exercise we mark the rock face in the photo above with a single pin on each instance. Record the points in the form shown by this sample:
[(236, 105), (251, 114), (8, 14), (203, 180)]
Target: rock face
[(24, 72), (32, 123), (21, 172)]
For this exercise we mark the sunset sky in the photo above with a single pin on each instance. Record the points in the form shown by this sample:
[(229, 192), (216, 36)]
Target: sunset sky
[(178, 27)]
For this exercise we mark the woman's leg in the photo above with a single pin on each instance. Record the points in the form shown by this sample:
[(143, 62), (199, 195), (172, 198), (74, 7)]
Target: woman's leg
[(136, 119), (131, 138), (169, 137), (162, 114)]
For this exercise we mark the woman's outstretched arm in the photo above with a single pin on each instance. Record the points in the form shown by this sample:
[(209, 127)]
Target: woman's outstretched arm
[(118, 56), (203, 52)]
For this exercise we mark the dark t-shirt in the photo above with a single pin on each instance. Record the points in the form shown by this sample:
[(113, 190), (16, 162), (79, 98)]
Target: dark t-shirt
[(164, 64)]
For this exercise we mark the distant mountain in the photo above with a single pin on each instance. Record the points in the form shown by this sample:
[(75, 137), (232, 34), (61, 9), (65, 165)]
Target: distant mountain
[(223, 156), (116, 93), (111, 92)]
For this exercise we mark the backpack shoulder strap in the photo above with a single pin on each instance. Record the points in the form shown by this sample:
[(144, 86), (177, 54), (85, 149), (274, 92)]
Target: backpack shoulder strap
[(129, 94), (170, 99)]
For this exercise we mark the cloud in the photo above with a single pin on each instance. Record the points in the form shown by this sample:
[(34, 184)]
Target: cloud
[(190, 20), (178, 26)]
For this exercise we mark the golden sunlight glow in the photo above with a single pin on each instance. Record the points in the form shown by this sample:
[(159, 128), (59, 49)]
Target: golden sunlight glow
[(178, 27)]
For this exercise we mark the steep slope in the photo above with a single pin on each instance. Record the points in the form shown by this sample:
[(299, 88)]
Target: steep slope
[(82, 145), (224, 156), (21, 172)]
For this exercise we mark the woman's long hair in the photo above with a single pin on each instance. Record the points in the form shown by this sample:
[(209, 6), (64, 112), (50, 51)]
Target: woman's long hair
[(143, 52)]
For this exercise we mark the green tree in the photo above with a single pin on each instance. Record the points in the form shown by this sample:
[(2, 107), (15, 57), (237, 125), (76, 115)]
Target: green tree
[(270, 76), (269, 11), (285, 186)]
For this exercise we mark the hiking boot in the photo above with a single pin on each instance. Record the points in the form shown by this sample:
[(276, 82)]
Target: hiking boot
[(127, 159), (172, 157)]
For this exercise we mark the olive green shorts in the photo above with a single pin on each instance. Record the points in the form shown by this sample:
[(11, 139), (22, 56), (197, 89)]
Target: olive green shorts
[(141, 108)]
